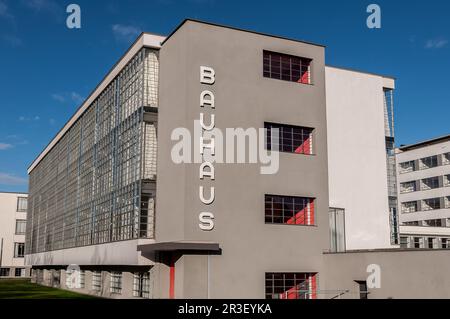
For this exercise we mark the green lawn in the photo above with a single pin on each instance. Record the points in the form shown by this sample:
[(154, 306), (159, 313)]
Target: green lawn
[(24, 289)]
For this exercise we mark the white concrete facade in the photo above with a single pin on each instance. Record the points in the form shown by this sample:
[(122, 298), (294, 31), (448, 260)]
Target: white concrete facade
[(357, 155), (111, 254), (418, 183), (10, 235)]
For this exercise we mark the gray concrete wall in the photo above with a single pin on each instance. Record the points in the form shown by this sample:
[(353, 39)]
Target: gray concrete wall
[(407, 274), (244, 98)]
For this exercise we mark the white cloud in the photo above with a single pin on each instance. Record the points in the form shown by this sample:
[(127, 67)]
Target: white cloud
[(77, 98), (4, 11), (5, 146), (49, 7), (125, 32), (42, 5), (65, 96), (12, 141), (28, 119), (9, 179), (12, 40), (58, 97), (436, 43)]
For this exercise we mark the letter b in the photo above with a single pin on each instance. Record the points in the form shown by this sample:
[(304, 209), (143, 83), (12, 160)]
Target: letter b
[(207, 75)]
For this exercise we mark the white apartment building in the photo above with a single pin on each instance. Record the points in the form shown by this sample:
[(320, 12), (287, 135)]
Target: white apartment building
[(13, 215), (424, 194)]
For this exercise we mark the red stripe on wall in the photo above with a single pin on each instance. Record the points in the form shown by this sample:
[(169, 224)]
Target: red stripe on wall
[(314, 287), (172, 278), (311, 209)]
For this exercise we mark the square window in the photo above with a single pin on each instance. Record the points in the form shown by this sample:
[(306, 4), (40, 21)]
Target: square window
[(287, 67)]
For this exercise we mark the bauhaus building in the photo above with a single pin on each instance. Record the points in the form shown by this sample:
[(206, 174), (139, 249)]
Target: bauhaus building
[(107, 195)]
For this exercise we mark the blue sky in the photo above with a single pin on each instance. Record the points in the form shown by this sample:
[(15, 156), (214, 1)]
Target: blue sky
[(46, 70)]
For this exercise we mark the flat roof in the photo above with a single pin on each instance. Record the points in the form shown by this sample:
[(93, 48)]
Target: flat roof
[(17, 193), (360, 71), (236, 29), (194, 246), (425, 143)]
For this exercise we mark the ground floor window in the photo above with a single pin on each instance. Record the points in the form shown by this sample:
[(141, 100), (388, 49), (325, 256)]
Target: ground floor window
[(444, 243), (141, 284), (55, 278), (337, 229), (363, 291), (82, 279), (417, 242), (96, 280), (4, 272), (116, 282), (431, 243), (291, 286), (19, 272), (404, 242)]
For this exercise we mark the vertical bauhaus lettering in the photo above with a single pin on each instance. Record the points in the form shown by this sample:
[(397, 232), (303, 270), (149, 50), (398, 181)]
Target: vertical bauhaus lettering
[(207, 99)]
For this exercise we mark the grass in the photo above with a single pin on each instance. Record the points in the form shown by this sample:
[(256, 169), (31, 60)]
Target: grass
[(24, 289)]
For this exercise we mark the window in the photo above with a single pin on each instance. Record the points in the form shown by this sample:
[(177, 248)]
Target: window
[(337, 229), (429, 162), (75, 278), (431, 243), (446, 159), (141, 284), (97, 280), (289, 210), (363, 291), (434, 222), (404, 242), (287, 67), (116, 282), (22, 204), (409, 207), (146, 227), (430, 183), (407, 167), (408, 187), (82, 279), (4, 272), (19, 272), (291, 286), (19, 250), (417, 242), (444, 242), (21, 226), (447, 202), (447, 180), (431, 204), (414, 223), (289, 138)]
